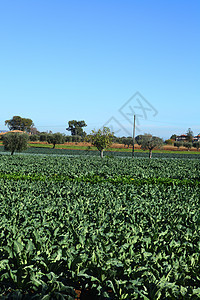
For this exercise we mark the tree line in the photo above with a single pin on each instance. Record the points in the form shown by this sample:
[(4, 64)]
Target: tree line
[(101, 139), (188, 141)]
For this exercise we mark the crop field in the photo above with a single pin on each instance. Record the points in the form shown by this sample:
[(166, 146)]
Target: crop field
[(84, 228), (77, 152)]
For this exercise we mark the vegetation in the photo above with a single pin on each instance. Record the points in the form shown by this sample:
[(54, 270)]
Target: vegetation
[(196, 145), (76, 150), (113, 228), (55, 138), (190, 135), (173, 136), (149, 142), (15, 142), (102, 139), (18, 123), (34, 137), (43, 136), (74, 138), (188, 145), (127, 141), (169, 142), (178, 144), (76, 127)]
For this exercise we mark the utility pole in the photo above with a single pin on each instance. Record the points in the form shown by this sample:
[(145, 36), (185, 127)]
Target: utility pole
[(133, 154)]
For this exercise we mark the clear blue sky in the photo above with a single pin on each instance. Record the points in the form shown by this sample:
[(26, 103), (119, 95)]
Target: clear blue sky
[(63, 60)]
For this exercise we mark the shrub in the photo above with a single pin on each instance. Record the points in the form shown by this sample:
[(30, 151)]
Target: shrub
[(34, 137), (15, 142), (178, 144), (196, 145), (55, 138), (188, 145), (43, 137)]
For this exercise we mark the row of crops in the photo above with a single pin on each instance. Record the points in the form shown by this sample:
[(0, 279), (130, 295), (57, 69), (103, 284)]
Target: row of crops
[(111, 229), (138, 154)]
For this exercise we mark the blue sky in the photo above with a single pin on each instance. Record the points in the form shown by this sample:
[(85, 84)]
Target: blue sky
[(64, 60)]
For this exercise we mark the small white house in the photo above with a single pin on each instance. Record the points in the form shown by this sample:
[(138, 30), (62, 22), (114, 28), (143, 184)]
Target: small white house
[(181, 138), (196, 138)]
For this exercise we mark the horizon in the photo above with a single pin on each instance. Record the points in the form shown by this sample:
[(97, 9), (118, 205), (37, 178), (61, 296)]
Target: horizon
[(127, 136)]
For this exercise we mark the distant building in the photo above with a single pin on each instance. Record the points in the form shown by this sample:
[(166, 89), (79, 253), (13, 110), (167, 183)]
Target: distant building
[(196, 138), (181, 138)]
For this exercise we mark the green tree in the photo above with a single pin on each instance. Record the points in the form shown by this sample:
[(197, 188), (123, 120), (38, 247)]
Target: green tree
[(34, 137), (138, 139), (43, 136), (196, 145), (190, 135), (188, 145), (76, 138), (169, 142), (102, 139), (178, 144), (149, 142), (14, 141), (55, 138), (128, 141), (68, 138), (173, 137), (123, 140), (18, 123), (76, 127)]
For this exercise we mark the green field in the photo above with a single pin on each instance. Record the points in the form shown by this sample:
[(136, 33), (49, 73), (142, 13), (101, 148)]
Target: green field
[(77, 150), (125, 149), (76, 146), (115, 228)]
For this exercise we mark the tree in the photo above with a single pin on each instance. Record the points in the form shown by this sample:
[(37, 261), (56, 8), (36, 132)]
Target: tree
[(18, 123), (68, 138), (14, 141), (196, 145), (138, 139), (43, 136), (128, 141), (76, 127), (55, 138), (101, 139), (188, 145), (123, 139), (190, 135), (178, 144), (34, 137), (173, 137), (76, 138), (149, 142), (169, 142)]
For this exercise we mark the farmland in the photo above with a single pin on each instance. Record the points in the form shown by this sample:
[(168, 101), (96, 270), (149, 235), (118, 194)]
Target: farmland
[(115, 228), (84, 151)]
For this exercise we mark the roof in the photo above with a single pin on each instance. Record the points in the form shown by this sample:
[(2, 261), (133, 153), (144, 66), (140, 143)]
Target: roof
[(182, 135), (1, 133)]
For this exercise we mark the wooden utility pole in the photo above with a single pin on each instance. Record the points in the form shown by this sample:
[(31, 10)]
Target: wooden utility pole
[(133, 153)]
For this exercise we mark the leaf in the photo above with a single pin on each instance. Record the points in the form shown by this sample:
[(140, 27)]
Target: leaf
[(46, 297), (18, 246), (196, 292), (30, 246)]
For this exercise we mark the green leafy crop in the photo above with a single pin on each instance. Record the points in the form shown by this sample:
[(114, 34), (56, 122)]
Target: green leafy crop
[(113, 228)]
